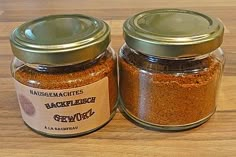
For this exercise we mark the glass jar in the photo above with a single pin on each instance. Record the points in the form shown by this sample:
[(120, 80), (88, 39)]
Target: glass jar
[(170, 68), (65, 74)]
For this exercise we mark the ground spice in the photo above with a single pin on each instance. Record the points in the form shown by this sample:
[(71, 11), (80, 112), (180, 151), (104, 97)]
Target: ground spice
[(164, 98), (67, 77)]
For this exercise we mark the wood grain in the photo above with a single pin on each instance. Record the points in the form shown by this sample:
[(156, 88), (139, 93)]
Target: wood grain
[(120, 137)]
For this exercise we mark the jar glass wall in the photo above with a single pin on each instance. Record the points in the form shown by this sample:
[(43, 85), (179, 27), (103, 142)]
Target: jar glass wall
[(70, 76), (169, 94)]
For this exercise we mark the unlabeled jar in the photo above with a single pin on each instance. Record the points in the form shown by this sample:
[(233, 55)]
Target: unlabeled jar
[(65, 74), (170, 68)]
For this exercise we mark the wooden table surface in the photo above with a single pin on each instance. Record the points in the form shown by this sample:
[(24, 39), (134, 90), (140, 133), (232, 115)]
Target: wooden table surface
[(120, 137)]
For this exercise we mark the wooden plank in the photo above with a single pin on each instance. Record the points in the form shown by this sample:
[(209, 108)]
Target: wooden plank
[(120, 137)]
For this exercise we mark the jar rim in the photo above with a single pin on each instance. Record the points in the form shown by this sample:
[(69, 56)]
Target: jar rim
[(60, 39), (173, 33)]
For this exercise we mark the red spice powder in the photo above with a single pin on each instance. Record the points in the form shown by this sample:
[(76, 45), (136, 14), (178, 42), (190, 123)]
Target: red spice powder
[(168, 99), (72, 76)]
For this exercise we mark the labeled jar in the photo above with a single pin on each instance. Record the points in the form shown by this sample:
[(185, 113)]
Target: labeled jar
[(65, 74), (170, 68)]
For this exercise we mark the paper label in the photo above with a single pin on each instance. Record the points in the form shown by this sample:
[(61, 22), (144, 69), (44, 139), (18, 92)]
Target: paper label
[(67, 111)]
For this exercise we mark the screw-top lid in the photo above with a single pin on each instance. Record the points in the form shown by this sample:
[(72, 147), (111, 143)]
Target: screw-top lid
[(173, 33), (60, 39)]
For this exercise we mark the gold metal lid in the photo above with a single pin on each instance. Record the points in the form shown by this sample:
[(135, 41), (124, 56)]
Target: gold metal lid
[(173, 33), (60, 39)]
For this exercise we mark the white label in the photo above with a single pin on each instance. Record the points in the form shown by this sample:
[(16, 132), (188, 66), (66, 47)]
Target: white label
[(67, 111)]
